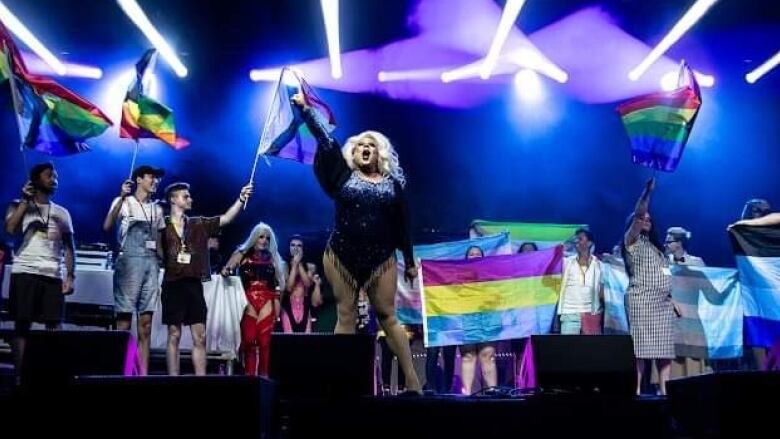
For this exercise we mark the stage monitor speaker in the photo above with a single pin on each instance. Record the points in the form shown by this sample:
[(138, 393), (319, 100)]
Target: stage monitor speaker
[(314, 366), (174, 406), (725, 404), (53, 358), (585, 363)]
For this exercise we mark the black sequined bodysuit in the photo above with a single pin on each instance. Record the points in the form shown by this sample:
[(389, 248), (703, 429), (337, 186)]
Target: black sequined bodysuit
[(371, 217)]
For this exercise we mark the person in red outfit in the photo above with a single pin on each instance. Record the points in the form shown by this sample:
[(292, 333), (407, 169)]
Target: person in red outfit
[(262, 276)]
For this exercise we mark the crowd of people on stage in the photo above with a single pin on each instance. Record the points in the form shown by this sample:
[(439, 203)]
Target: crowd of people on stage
[(367, 184)]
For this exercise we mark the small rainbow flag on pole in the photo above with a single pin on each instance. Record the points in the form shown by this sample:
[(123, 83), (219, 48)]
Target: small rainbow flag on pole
[(658, 124), (491, 298), (142, 116)]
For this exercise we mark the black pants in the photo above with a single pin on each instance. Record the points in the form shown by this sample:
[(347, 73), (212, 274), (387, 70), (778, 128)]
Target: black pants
[(431, 368)]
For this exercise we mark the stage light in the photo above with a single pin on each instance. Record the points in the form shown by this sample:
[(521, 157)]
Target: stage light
[(24, 34), (686, 22), (38, 66), (528, 86), (137, 15), (463, 72), (330, 13), (508, 17), (409, 75), (669, 80), (762, 70)]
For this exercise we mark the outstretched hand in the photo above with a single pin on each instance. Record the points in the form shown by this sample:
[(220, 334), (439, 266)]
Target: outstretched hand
[(246, 192)]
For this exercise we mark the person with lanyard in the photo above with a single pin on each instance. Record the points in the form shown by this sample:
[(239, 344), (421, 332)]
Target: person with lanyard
[(43, 271), (582, 290), (137, 268), (185, 258)]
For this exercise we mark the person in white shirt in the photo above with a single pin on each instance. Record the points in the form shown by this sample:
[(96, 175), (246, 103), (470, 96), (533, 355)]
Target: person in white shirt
[(582, 289), (137, 268), (43, 269), (676, 238)]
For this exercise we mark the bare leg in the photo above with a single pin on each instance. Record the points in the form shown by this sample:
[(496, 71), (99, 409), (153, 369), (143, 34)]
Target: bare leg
[(382, 297), (172, 354), (664, 369), (346, 304), (640, 370), (22, 329), (468, 365), (487, 362), (144, 340), (198, 331)]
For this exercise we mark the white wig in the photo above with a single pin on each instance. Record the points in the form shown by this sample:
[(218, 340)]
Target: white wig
[(388, 158), (273, 248)]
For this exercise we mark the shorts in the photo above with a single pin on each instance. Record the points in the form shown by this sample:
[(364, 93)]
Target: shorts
[(183, 302)]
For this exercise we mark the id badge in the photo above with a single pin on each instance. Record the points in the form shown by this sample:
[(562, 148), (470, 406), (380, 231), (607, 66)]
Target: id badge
[(666, 271), (184, 258), (151, 245)]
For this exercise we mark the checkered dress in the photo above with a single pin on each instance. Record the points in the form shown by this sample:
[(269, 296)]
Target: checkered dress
[(649, 297)]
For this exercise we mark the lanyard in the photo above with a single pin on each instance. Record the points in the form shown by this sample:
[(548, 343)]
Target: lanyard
[(583, 272), (150, 218), (40, 214), (181, 234)]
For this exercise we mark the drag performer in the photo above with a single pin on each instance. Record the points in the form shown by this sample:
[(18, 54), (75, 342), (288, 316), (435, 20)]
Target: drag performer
[(651, 312), (297, 303), (367, 185), (262, 276)]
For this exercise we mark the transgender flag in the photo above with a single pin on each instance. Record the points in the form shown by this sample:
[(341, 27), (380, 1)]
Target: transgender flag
[(491, 298), (285, 134), (757, 250)]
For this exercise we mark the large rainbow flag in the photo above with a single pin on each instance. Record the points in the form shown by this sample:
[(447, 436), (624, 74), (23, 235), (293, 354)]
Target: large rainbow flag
[(408, 303), (544, 235), (491, 298), (658, 124), (285, 134), (52, 119), (142, 116)]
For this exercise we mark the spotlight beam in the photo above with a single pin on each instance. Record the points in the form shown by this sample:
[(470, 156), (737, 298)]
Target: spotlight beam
[(139, 18), (686, 22), (330, 14), (27, 37), (763, 69), (508, 17)]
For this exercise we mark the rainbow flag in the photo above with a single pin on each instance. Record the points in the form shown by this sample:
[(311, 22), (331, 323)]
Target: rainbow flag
[(491, 298), (52, 119), (541, 234), (658, 124), (408, 303), (142, 116), (285, 134)]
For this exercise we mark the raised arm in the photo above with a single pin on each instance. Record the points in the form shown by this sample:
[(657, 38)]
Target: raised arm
[(640, 210), (772, 219), (235, 209), (116, 206), (329, 165), (15, 212)]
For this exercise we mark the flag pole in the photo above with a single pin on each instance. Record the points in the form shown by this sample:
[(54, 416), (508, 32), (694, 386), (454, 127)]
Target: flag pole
[(135, 156), (18, 106), (265, 127)]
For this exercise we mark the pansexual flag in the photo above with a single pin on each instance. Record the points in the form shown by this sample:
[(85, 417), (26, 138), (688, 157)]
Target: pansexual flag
[(408, 304), (142, 116), (491, 298), (757, 250), (658, 124)]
